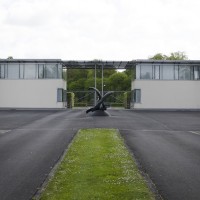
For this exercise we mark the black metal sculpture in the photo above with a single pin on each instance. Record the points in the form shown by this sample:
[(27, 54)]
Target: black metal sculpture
[(100, 103)]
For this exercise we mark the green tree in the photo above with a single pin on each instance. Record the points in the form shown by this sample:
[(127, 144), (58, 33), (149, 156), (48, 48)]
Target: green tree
[(119, 81), (179, 55), (10, 57)]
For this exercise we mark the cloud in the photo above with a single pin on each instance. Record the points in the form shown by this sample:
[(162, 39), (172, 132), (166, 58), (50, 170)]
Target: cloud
[(106, 29)]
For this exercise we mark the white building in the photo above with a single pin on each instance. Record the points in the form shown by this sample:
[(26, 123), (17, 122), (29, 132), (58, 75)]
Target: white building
[(32, 84), (39, 84), (166, 85)]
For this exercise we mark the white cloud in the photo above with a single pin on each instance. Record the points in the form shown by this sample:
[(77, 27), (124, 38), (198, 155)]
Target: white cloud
[(106, 29)]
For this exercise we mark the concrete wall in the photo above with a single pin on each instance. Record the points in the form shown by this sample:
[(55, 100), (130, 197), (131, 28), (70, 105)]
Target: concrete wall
[(30, 93), (162, 94)]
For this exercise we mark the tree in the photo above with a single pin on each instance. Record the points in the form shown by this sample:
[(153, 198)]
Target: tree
[(158, 56), (10, 57), (119, 81), (177, 56), (173, 56)]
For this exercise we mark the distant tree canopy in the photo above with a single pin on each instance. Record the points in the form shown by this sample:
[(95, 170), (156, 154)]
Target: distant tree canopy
[(10, 57), (173, 56), (82, 79)]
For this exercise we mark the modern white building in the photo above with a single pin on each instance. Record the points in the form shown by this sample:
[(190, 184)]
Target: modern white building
[(32, 84), (38, 84), (166, 85)]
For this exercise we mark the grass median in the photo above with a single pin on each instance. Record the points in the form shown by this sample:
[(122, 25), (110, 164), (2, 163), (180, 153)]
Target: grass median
[(97, 166)]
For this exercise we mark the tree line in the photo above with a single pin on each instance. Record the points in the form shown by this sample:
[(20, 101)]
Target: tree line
[(81, 80)]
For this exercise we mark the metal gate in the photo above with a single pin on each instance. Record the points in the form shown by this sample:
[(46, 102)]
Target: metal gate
[(87, 99)]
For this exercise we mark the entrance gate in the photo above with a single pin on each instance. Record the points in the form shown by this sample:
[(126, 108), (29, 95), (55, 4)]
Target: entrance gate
[(89, 98)]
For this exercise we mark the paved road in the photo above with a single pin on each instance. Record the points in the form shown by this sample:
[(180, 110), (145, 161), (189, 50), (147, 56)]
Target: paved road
[(165, 144)]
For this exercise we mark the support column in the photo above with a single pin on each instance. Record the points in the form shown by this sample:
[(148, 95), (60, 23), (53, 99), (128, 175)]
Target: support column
[(102, 81), (95, 84)]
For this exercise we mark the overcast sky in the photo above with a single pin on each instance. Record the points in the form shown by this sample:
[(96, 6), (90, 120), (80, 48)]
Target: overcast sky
[(98, 29)]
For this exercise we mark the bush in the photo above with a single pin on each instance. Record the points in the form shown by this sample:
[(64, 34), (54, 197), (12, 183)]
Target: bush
[(70, 99), (127, 100)]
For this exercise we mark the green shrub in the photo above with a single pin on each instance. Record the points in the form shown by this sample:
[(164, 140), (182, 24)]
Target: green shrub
[(127, 100), (70, 99)]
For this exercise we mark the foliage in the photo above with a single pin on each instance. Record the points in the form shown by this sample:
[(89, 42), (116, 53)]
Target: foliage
[(127, 100), (70, 99), (97, 166), (79, 79), (10, 57), (173, 56)]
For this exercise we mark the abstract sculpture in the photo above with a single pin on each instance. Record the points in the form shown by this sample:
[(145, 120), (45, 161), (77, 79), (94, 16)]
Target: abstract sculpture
[(100, 103)]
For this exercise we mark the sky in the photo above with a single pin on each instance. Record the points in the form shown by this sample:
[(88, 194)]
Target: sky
[(98, 29)]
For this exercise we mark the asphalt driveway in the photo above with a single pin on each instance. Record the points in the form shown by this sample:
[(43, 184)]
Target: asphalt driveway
[(165, 144)]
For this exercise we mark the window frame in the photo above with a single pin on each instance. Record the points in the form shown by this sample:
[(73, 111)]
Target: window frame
[(135, 93), (59, 92)]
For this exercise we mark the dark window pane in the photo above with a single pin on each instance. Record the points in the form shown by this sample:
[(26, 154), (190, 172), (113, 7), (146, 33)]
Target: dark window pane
[(51, 71), (184, 72), (137, 96), (138, 72), (2, 71), (59, 71), (40, 71), (196, 73), (59, 95), (146, 72)]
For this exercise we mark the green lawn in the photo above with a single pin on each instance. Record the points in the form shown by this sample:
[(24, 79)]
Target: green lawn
[(97, 166)]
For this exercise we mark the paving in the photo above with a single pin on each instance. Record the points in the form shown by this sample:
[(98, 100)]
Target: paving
[(166, 146)]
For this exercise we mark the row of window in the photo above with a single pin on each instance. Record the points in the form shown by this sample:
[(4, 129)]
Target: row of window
[(30, 71), (167, 72)]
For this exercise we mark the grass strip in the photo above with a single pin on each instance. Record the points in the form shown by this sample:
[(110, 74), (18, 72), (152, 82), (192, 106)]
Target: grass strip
[(97, 166)]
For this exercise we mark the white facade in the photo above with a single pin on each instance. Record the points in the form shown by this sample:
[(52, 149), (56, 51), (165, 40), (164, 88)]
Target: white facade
[(32, 84), (31, 93), (166, 85), (163, 94)]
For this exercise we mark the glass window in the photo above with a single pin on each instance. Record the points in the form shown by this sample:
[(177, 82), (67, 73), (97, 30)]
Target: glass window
[(60, 71), (184, 72), (146, 72), (168, 72), (64, 96), (40, 71), (191, 73), (59, 95), (13, 71), (196, 73), (21, 75), (30, 71), (176, 72), (157, 72), (137, 96), (137, 71), (2, 71), (51, 71)]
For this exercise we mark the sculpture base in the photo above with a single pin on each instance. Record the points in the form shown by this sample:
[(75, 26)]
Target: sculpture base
[(97, 113)]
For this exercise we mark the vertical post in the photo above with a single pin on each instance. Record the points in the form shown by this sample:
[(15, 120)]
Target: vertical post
[(95, 83), (102, 81)]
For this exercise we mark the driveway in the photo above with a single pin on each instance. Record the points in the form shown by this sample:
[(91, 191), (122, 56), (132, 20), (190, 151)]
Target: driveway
[(166, 146)]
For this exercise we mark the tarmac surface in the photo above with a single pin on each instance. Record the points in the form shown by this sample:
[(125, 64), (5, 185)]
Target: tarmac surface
[(166, 146)]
